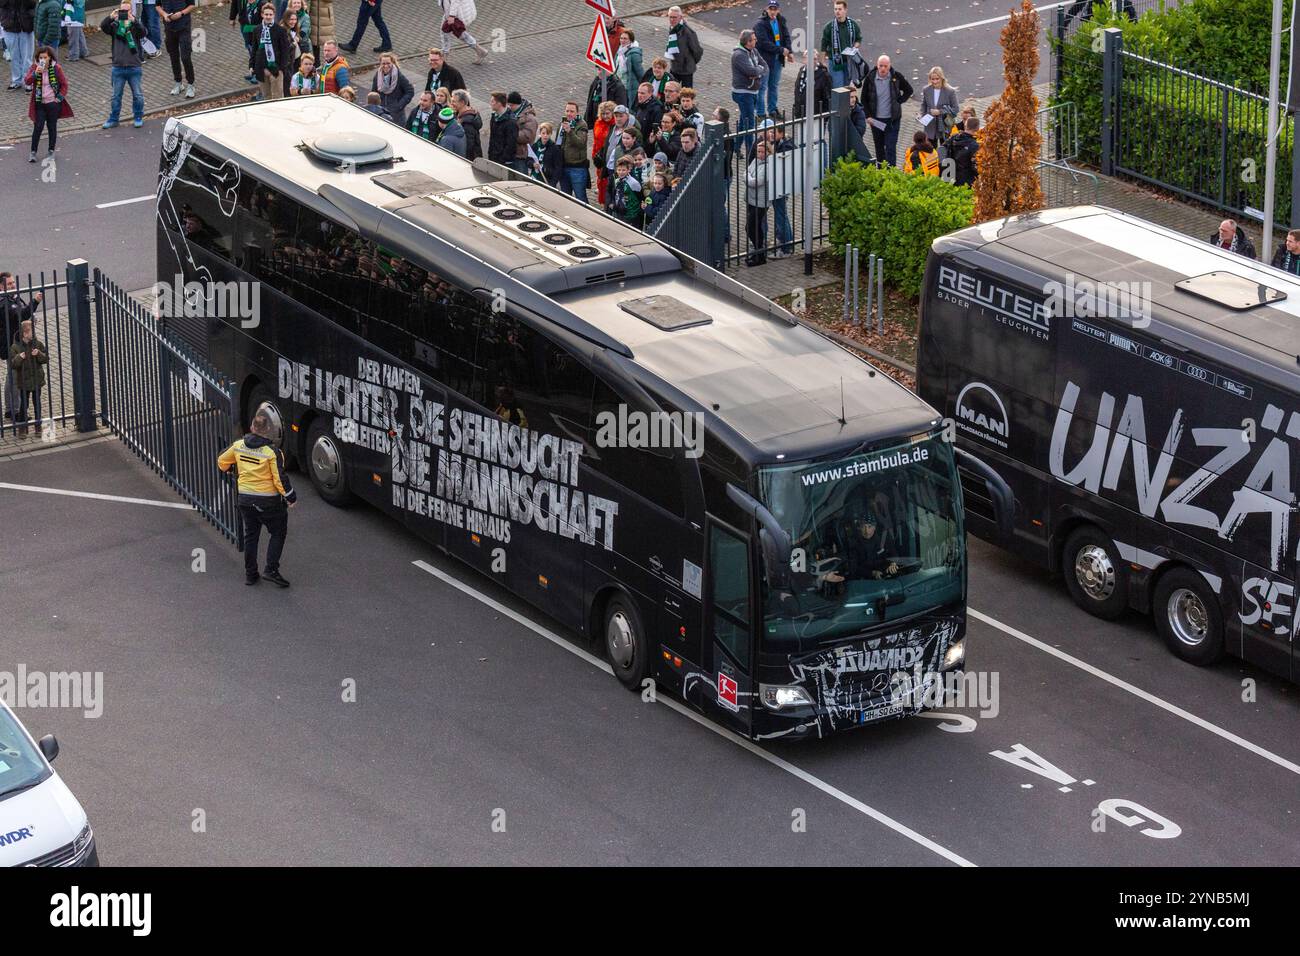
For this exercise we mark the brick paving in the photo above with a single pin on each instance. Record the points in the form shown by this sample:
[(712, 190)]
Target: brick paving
[(545, 63)]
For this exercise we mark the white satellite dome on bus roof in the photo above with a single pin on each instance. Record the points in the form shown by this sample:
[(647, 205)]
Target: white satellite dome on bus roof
[(356, 149)]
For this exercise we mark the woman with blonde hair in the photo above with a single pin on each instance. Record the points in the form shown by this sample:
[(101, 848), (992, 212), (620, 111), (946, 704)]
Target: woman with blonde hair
[(938, 107), (599, 140), (394, 89)]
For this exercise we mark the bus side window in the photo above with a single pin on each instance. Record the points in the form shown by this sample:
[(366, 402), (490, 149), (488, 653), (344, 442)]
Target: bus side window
[(652, 473), (729, 569), (322, 264), (195, 209)]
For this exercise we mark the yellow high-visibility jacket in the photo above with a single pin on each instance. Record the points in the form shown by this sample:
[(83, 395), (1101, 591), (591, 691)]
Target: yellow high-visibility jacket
[(926, 163), (260, 466)]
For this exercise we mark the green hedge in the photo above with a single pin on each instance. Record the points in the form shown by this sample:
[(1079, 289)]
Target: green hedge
[(894, 214), (1171, 127)]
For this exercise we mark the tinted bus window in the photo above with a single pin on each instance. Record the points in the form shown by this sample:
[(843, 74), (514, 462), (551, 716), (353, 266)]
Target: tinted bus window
[(729, 564), (195, 208), (652, 473)]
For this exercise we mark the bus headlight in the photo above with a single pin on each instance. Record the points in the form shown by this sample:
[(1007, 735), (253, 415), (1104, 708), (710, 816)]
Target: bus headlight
[(956, 655), (783, 696)]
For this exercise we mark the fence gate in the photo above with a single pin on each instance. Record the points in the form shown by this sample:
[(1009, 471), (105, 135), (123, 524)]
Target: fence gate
[(165, 403)]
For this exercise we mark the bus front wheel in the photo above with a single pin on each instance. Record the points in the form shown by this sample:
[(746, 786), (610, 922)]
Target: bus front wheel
[(1188, 618), (325, 464), (1094, 574), (625, 643)]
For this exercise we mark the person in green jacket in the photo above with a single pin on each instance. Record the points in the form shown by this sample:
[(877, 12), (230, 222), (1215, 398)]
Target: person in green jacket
[(48, 17), (28, 358), (76, 12)]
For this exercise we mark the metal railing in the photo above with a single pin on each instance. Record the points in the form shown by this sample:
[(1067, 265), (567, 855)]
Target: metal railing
[(691, 222), (166, 404), (42, 299), (776, 185), (1192, 135)]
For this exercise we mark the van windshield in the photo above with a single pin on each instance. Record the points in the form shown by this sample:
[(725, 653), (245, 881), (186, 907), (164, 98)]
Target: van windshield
[(876, 537), (21, 765)]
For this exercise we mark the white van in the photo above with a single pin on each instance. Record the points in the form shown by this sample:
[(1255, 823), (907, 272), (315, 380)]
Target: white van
[(41, 822)]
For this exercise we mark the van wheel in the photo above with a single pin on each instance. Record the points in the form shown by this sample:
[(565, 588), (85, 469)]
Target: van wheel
[(625, 643), (1188, 617), (325, 464), (1094, 574)]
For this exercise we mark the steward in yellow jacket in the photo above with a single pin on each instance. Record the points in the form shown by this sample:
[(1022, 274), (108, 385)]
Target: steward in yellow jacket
[(264, 493)]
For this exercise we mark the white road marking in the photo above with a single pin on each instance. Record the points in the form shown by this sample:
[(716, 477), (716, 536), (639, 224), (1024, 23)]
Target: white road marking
[(1137, 692), (124, 202), (685, 711), (97, 497), (982, 23)]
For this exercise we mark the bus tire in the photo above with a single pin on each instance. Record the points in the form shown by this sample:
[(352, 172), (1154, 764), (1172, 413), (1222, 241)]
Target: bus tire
[(261, 399), (1188, 617), (1094, 574), (325, 464), (626, 646)]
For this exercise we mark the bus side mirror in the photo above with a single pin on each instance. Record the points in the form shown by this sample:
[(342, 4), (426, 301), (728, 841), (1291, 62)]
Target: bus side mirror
[(776, 562), (999, 492), (772, 538), (50, 747)]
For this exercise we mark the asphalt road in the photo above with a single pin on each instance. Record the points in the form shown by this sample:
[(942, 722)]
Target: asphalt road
[(50, 222), (229, 701)]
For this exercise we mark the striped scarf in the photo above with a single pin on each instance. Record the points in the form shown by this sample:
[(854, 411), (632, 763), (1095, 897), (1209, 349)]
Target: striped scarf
[(50, 77)]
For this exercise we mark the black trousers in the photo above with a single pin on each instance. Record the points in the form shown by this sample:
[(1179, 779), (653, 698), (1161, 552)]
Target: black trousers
[(685, 79), (756, 228), (275, 518), (47, 114), (178, 43)]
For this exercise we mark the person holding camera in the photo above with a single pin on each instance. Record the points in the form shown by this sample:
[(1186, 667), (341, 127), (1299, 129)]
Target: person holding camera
[(49, 100), (127, 35)]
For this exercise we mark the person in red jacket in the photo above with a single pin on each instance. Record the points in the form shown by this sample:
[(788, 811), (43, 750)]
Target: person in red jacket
[(49, 100)]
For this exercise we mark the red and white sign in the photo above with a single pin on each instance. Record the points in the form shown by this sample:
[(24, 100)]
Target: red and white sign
[(603, 7), (728, 691), (598, 47)]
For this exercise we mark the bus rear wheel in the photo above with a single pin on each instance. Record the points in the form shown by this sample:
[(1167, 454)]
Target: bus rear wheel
[(325, 464), (625, 643), (1094, 573), (1188, 617)]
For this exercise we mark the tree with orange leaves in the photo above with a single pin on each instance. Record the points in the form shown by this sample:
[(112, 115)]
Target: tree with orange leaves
[(1010, 143)]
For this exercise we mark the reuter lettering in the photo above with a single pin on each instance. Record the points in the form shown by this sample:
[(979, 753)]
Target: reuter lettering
[(1004, 305), (132, 910)]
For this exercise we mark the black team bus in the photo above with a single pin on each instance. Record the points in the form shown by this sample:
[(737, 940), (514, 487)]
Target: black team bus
[(1139, 390), (650, 453)]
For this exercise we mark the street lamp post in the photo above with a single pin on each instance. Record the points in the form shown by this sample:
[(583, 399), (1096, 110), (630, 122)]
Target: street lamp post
[(810, 125), (1270, 154)]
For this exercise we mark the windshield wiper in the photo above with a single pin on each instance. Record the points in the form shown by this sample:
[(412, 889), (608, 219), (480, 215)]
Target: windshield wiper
[(18, 789)]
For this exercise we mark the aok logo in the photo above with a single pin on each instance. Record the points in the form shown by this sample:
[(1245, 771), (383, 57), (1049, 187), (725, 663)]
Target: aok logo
[(979, 412), (13, 836)]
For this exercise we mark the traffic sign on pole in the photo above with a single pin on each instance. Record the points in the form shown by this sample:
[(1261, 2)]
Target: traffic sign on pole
[(598, 47), (603, 7)]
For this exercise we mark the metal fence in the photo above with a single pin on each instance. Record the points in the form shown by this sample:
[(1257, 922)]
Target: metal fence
[(692, 221), (42, 299), (765, 215), (1192, 135), (165, 403)]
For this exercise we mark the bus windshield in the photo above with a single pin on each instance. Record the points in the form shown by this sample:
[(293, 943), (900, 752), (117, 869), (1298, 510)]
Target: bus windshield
[(876, 537)]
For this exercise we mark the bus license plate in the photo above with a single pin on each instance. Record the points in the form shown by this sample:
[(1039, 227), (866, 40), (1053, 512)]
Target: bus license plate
[(876, 713)]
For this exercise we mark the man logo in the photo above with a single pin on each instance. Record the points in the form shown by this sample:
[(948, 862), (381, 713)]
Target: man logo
[(980, 413)]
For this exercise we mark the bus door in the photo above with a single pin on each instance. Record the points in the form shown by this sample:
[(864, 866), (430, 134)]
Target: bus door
[(730, 654)]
